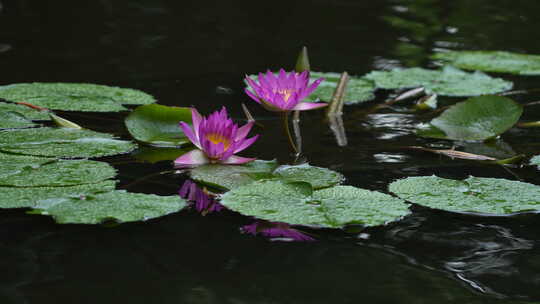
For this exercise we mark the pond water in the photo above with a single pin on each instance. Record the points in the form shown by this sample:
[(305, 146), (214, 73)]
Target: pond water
[(196, 53)]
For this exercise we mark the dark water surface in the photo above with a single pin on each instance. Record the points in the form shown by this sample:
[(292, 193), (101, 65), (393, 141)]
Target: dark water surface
[(196, 53)]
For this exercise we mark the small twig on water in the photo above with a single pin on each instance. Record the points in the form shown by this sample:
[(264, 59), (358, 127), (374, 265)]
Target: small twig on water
[(335, 111)]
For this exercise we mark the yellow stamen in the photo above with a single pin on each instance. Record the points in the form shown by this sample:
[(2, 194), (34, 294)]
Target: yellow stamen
[(218, 138), (285, 93)]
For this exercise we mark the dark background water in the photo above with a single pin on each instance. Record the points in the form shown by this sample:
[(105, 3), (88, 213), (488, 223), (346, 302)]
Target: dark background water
[(196, 53)]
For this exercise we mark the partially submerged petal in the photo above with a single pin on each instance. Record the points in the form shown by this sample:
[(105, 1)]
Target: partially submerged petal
[(193, 158), (304, 106)]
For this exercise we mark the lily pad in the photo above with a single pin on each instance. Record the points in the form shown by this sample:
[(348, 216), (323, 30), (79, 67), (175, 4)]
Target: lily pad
[(11, 197), (19, 172), (318, 177), (535, 160), (153, 155), (232, 176), (475, 194), (476, 118), (14, 120), (358, 89), (27, 112), (62, 142), (296, 204), (157, 125), (447, 82), (119, 206), (493, 61), (74, 96)]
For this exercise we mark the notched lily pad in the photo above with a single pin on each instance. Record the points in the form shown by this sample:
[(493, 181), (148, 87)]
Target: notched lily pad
[(318, 177), (118, 205), (493, 61), (492, 196), (62, 142), (476, 118), (231, 176), (19, 172), (446, 82), (334, 207), (11, 197), (74, 96), (157, 125)]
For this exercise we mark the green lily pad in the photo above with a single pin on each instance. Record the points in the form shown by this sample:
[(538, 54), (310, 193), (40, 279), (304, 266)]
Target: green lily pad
[(14, 120), (232, 176), (535, 160), (157, 125), (154, 155), (27, 112), (358, 89), (11, 197), (20, 172), (475, 194), (296, 204), (119, 206), (476, 118), (74, 96), (318, 177), (62, 142), (447, 82), (493, 61)]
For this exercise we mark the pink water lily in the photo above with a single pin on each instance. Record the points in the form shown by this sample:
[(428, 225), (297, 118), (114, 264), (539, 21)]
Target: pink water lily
[(284, 92), (217, 139)]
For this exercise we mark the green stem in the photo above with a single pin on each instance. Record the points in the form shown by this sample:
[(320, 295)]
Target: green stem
[(285, 116)]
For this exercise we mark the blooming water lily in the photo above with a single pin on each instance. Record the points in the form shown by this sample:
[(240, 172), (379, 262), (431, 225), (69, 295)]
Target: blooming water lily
[(284, 92), (217, 139)]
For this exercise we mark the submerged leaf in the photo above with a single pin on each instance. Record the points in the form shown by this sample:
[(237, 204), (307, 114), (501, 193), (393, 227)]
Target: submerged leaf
[(119, 206), (74, 96), (493, 61), (62, 142), (11, 197), (446, 82), (158, 125), (476, 118), (474, 194), (335, 207)]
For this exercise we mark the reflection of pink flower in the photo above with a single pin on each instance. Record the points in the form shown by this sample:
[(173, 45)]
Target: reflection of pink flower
[(276, 230), (217, 139), (203, 202), (284, 92)]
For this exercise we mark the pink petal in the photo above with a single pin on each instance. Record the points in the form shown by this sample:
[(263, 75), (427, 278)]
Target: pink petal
[(244, 130), (312, 87), (304, 106), (189, 133), (192, 158), (196, 119), (237, 160), (253, 96), (245, 143)]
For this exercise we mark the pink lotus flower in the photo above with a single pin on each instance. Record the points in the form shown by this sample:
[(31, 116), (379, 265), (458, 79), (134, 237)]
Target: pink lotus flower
[(217, 139), (284, 92), (276, 231)]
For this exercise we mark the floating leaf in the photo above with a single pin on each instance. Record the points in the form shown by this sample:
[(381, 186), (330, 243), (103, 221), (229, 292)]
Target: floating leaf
[(14, 120), (27, 112), (74, 96), (13, 164), (476, 118), (447, 82), (29, 197), (154, 155), (62, 142), (158, 125), (18, 172), (318, 177), (358, 89), (535, 160), (296, 204), (493, 61), (118, 205), (232, 176), (475, 194)]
